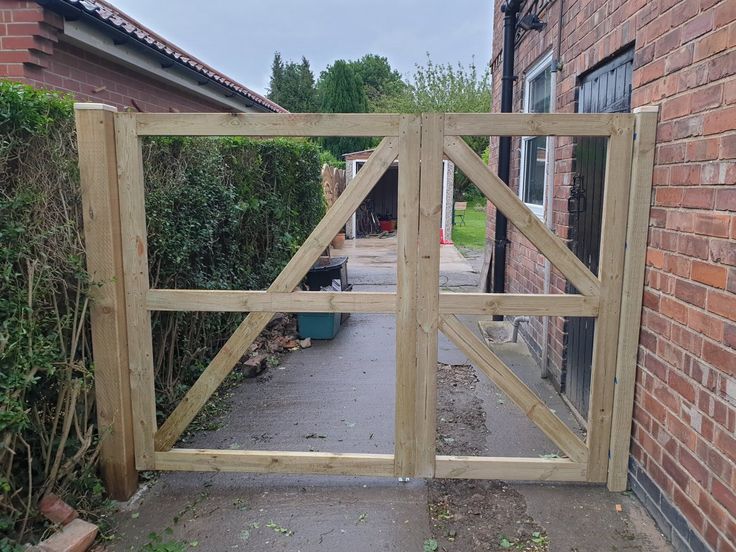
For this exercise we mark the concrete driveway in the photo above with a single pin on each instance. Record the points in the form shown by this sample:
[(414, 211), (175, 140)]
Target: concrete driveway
[(338, 396)]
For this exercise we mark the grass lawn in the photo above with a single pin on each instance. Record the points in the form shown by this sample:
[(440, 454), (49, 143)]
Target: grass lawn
[(473, 233)]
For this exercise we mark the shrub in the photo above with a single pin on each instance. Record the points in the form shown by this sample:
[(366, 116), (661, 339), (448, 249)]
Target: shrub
[(222, 213)]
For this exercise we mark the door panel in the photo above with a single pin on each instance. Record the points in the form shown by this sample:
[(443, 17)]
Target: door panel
[(606, 89)]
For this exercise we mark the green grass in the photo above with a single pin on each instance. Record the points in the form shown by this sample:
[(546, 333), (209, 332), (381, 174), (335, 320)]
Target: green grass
[(473, 233)]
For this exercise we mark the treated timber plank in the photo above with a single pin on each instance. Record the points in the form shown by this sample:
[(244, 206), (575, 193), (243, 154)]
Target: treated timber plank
[(270, 301), (286, 281), (267, 124), (506, 380), (537, 124), (103, 246), (135, 262), (518, 304), (405, 427), (258, 461), (367, 302), (506, 201), (633, 285), (519, 469), (428, 297), (605, 339)]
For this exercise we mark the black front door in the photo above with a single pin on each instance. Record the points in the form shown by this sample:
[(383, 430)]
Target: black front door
[(606, 89)]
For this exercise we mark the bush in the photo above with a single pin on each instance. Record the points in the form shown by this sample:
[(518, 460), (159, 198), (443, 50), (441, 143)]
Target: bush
[(222, 213)]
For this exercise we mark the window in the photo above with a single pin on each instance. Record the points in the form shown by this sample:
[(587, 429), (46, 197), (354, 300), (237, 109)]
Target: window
[(537, 99)]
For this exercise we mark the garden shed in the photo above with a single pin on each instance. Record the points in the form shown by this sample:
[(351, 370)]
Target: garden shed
[(382, 201)]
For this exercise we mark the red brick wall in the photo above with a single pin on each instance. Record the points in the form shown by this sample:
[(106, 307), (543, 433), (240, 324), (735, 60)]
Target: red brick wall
[(32, 50), (685, 62)]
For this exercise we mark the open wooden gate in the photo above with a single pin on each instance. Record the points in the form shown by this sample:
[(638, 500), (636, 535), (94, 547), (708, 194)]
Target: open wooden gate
[(115, 230)]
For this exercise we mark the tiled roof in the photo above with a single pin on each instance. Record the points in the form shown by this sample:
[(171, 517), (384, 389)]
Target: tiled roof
[(111, 16)]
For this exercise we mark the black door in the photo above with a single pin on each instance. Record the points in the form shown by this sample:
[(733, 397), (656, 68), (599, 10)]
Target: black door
[(606, 89)]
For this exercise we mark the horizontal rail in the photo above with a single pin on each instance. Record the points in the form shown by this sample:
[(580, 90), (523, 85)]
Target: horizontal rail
[(519, 469), (366, 302), (519, 304), (257, 461), (536, 124), (267, 124)]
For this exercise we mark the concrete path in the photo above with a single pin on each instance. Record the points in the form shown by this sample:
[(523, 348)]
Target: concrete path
[(339, 396)]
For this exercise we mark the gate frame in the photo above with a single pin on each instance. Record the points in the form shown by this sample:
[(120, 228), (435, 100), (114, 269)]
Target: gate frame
[(115, 233)]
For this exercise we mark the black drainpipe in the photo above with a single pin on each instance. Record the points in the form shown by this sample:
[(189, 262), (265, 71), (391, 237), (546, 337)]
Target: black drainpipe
[(510, 8)]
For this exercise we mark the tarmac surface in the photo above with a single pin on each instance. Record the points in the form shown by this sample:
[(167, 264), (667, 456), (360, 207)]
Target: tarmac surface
[(338, 396)]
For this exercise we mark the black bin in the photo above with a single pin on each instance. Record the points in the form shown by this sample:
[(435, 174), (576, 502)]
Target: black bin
[(325, 270)]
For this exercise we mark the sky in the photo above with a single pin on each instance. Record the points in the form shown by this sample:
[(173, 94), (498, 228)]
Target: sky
[(239, 37)]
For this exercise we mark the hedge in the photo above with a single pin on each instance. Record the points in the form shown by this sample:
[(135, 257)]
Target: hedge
[(221, 213)]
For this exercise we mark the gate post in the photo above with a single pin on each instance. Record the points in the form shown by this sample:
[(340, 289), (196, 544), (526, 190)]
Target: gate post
[(103, 246)]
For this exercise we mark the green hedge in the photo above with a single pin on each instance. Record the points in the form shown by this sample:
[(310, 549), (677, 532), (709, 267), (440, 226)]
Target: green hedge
[(222, 213)]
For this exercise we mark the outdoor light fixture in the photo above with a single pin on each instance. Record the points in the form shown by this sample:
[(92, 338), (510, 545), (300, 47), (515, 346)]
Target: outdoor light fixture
[(531, 22)]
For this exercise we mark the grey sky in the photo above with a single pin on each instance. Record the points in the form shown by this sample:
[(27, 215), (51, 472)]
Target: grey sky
[(240, 37)]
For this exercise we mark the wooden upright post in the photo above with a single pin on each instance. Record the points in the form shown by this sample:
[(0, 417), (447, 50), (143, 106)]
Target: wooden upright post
[(103, 245), (640, 200)]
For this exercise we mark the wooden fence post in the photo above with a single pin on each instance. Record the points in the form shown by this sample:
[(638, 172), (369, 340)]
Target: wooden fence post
[(640, 199), (103, 245)]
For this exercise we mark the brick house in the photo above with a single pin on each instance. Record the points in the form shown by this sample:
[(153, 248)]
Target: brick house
[(605, 56), (95, 52)]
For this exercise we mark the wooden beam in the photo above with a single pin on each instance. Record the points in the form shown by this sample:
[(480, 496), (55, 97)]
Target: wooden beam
[(267, 124), (135, 262), (405, 426), (508, 382), (257, 461), (286, 281), (103, 246), (428, 298), (640, 199), (518, 214), (518, 304), (605, 339), (535, 124), (518, 469), (270, 301)]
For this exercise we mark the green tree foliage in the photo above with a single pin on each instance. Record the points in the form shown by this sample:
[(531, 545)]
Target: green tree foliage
[(381, 82), (341, 91), (447, 88), (292, 85)]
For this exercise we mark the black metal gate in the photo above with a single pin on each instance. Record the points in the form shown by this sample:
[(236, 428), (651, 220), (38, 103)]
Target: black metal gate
[(606, 89)]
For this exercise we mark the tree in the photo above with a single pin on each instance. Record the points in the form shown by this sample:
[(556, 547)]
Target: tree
[(380, 81), (442, 89), (292, 85), (341, 91)]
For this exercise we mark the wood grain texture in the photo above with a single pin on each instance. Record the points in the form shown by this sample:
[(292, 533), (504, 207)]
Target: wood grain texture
[(260, 461), (135, 262), (605, 339), (535, 124), (270, 301), (286, 281), (267, 124), (405, 426), (103, 247), (518, 214), (508, 382), (640, 199), (428, 298), (518, 469), (518, 304)]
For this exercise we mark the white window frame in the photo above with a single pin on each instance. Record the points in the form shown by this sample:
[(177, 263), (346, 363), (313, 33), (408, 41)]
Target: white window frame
[(533, 72)]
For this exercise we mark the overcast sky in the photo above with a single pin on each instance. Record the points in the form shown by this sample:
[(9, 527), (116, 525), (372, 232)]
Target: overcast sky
[(239, 37)]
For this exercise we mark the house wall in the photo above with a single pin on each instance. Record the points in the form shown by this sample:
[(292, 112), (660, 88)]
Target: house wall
[(33, 50), (683, 445)]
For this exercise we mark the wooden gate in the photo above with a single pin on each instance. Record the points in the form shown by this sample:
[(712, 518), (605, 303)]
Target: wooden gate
[(115, 231)]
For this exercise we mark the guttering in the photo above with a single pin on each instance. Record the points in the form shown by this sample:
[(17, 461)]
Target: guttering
[(510, 9)]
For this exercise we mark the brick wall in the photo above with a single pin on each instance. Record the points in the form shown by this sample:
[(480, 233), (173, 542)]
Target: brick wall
[(683, 445), (32, 51)]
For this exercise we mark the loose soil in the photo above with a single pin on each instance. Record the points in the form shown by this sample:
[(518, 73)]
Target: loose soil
[(473, 515)]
